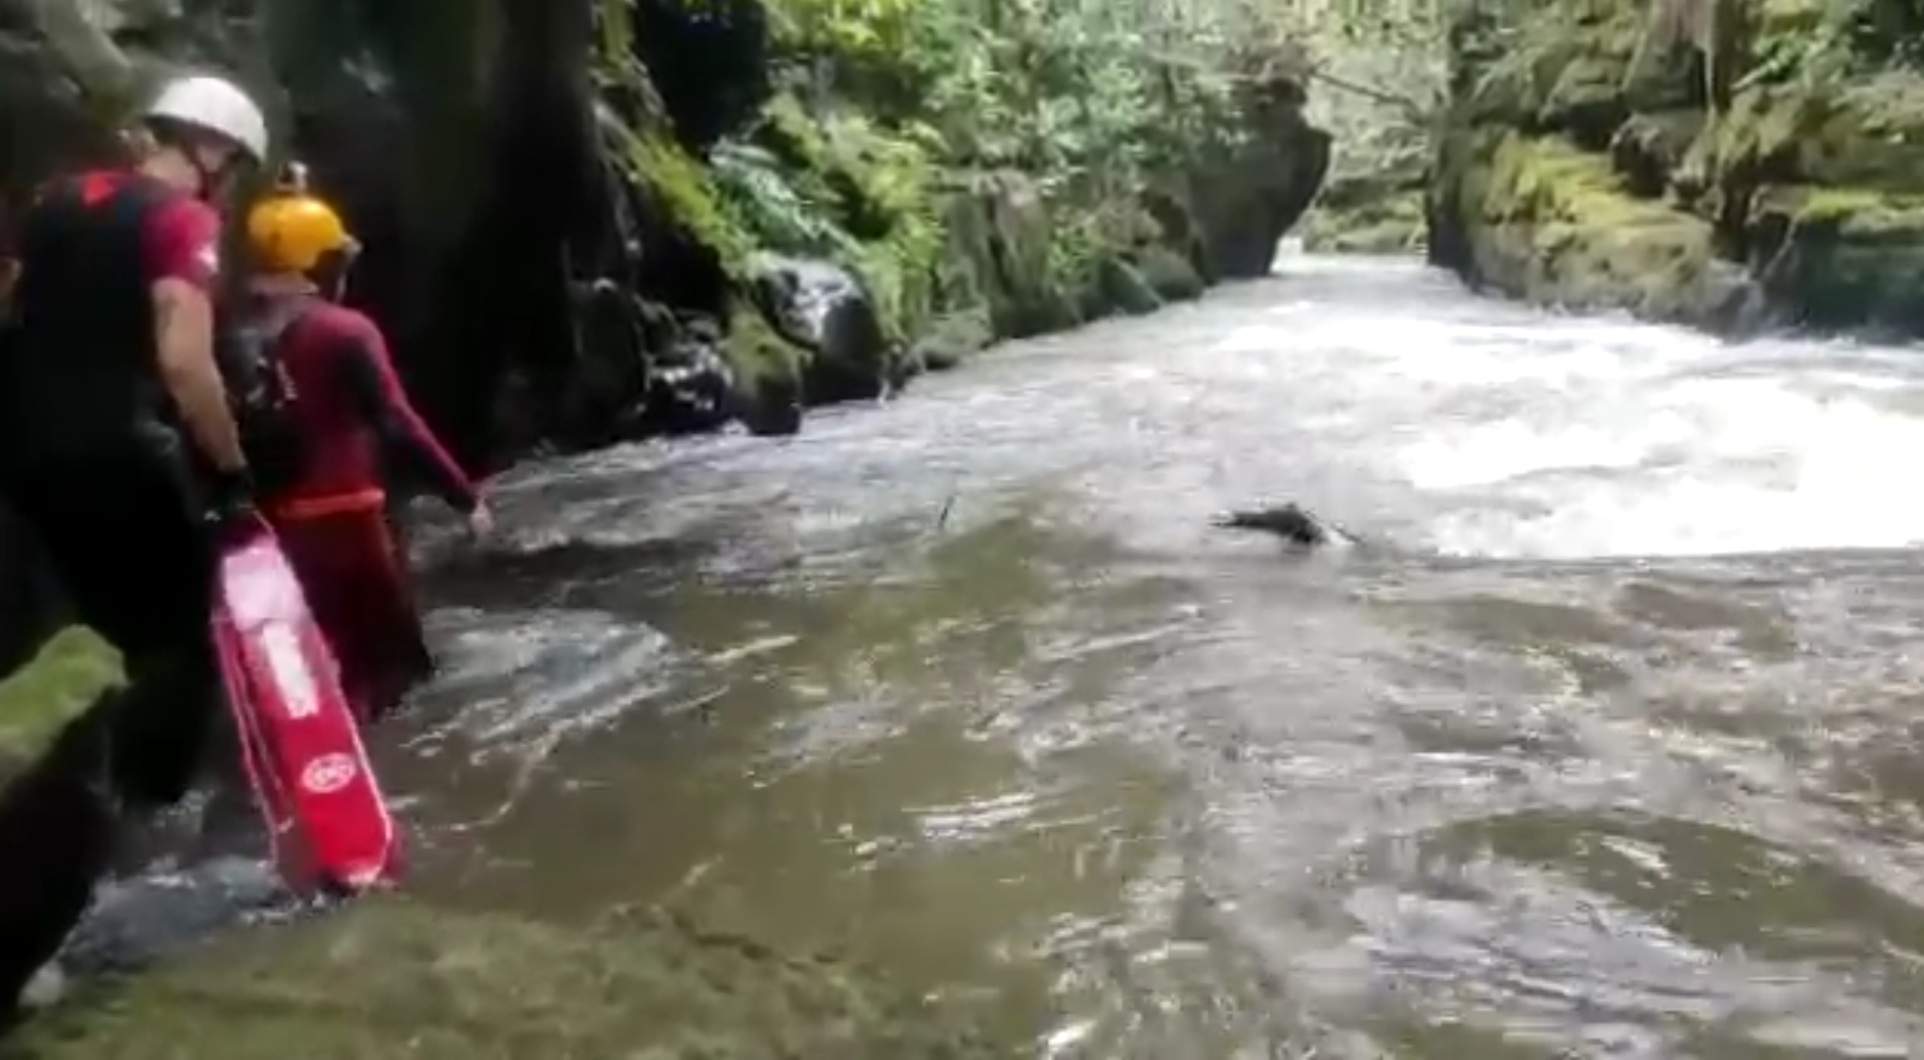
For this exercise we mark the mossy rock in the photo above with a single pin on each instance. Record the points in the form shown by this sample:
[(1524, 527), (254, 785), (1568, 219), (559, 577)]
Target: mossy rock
[(388, 978), (1169, 274), (1835, 258), (1176, 217), (999, 254), (1120, 287), (1648, 149), (1869, 136), (768, 370), (681, 190), (63, 679), (1551, 223)]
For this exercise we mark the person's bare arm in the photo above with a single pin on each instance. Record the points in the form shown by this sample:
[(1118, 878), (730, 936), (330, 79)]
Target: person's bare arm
[(184, 341)]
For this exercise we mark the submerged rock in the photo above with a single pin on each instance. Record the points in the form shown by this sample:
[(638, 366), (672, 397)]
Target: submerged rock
[(388, 978), (137, 923)]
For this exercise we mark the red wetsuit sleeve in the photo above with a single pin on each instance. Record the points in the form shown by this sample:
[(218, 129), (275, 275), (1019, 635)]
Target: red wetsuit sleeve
[(181, 241), (372, 372)]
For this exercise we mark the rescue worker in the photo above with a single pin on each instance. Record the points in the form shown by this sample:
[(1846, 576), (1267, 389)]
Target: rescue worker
[(116, 441), (346, 410)]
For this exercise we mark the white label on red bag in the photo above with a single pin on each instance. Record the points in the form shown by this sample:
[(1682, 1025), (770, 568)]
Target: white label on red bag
[(260, 587), (281, 643), (329, 774)]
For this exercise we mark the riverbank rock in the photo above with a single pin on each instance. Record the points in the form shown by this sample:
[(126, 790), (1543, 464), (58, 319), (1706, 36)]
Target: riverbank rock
[(824, 309), (390, 978), (1246, 198), (1702, 161)]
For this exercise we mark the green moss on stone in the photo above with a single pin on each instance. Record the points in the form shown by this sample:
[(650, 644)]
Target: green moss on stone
[(1801, 167), (1001, 253), (61, 680), (389, 978), (1843, 257), (766, 365), (1120, 287), (686, 189), (1554, 224)]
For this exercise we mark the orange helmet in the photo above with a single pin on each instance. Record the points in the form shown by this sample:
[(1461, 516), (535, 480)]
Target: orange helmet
[(291, 230)]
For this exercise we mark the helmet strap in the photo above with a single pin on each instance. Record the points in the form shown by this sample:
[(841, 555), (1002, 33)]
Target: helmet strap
[(331, 272)]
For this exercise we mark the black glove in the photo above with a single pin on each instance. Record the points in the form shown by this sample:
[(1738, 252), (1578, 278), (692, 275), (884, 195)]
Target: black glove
[(230, 500)]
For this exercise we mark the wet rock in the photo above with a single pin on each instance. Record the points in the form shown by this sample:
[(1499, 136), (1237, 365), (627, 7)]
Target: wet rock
[(383, 976), (824, 309), (138, 923), (691, 385)]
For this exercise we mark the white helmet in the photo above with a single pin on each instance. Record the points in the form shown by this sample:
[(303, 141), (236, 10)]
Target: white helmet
[(216, 105)]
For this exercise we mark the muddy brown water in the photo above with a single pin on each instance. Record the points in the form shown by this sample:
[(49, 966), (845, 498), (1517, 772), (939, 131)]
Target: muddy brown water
[(1610, 749)]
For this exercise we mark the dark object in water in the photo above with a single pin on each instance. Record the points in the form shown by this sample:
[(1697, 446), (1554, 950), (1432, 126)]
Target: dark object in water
[(1289, 522)]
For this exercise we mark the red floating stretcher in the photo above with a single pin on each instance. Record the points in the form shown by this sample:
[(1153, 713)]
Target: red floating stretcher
[(327, 822)]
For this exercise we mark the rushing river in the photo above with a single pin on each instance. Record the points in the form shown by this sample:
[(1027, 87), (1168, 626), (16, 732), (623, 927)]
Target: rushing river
[(1608, 749)]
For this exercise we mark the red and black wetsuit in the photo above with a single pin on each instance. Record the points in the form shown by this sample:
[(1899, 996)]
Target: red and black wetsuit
[(350, 410), (92, 461)]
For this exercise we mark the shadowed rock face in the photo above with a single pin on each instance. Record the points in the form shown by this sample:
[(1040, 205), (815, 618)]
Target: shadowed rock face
[(1247, 200), (30, 609)]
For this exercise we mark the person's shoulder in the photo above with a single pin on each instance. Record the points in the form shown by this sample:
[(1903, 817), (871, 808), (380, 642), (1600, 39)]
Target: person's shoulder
[(338, 316), (175, 208), (341, 322), (182, 236)]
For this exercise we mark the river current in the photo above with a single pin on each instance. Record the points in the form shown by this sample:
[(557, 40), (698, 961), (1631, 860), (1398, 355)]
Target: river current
[(1604, 744)]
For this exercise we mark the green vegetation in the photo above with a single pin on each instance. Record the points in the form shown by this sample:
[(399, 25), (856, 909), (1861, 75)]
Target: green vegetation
[(965, 156), (1771, 153)]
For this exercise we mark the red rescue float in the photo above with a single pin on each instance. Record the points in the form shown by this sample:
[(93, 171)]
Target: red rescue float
[(328, 824)]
